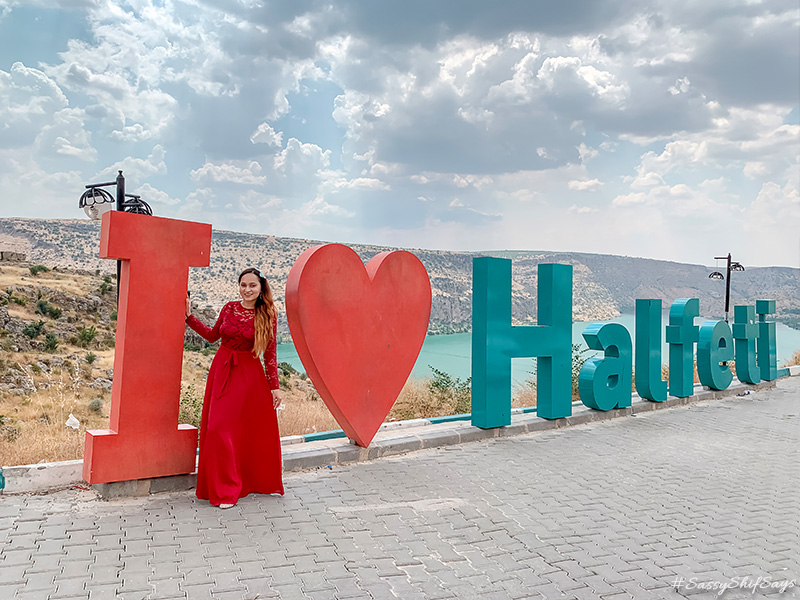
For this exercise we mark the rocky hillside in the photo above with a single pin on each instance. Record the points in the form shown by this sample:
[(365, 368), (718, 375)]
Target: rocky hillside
[(63, 315), (604, 286)]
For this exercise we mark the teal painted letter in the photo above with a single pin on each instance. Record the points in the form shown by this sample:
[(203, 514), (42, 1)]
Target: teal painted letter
[(714, 345), (605, 383), (495, 342), (767, 355), (682, 333), (745, 333), (649, 384)]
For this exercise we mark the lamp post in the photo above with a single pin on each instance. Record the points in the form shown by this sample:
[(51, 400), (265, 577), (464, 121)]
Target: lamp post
[(95, 201), (732, 266)]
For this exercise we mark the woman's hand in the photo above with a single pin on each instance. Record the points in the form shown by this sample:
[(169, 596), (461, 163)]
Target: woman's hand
[(277, 398), (188, 307)]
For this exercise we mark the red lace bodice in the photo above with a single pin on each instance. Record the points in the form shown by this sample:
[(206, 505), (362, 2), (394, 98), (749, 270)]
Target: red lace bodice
[(235, 326)]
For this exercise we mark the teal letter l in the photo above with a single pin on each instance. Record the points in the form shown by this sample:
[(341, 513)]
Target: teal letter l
[(649, 384)]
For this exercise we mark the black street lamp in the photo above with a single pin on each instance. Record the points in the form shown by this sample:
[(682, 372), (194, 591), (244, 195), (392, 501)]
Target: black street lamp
[(95, 201), (732, 266)]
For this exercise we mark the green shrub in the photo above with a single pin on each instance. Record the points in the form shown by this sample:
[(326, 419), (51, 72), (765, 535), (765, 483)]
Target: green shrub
[(43, 307), (191, 406), (451, 390), (36, 269), (96, 405), (191, 346), (33, 330), (36, 368), (105, 288), (86, 335), (578, 358), (287, 369), (50, 342), (91, 357), (285, 372), (22, 301)]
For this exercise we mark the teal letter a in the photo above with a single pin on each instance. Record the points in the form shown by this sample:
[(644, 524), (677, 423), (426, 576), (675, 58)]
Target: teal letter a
[(495, 342)]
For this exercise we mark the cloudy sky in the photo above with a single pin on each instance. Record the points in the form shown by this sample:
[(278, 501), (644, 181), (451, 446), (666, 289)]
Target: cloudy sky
[(665, 129)]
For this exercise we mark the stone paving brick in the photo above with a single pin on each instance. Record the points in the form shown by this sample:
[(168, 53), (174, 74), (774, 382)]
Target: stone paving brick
[(200, 591), (106, 591), (259, 588)]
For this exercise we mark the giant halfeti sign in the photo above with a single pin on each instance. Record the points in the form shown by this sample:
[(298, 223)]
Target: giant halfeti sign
[(393, 296), (604, 383)]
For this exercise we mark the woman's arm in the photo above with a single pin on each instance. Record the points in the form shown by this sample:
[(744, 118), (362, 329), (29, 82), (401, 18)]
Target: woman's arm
[(210, 334), (271, 358)]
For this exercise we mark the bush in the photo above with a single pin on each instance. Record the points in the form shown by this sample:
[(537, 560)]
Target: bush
[(191, 406), (36, 369), (285, 372), (43, 307), (91, 357), (287, 369), (86, 335), (578, 358), (96, 405), (191, 346), (105, 288), (50, 342), (451, 390), (36, 269), (33, 330)]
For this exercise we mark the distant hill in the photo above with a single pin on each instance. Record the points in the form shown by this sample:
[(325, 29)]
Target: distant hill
[(603, 286)]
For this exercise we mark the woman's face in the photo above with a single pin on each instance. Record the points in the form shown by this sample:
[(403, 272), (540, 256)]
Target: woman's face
[(249, 288)]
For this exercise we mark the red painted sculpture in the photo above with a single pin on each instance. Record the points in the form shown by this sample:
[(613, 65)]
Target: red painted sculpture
[(145, 439), (358, 331)]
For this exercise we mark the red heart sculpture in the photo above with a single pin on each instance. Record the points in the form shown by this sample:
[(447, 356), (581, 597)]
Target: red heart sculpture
[(358, 331)]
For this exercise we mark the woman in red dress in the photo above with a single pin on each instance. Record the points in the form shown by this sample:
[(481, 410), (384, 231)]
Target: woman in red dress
[(240, 448)]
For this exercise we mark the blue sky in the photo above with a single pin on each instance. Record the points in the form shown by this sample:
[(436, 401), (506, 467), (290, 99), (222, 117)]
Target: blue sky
[(658, 129)]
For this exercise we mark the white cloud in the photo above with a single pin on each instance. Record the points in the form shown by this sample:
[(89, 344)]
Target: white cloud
[(248, 174), (265, 134), (28, 99), (592, 185), (299, 157), (581, 210), (628, 199), (136, 170)]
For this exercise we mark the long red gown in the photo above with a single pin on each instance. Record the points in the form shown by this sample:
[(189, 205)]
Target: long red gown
[(240, 448)]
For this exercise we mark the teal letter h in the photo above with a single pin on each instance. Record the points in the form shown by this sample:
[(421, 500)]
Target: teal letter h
[(495, 342)]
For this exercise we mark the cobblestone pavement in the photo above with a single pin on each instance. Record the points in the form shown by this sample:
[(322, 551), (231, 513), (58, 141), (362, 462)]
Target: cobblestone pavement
[(705, 495)]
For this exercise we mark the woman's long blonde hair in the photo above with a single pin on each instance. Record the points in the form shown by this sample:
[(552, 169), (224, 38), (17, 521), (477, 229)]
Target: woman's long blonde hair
[(265, 313)]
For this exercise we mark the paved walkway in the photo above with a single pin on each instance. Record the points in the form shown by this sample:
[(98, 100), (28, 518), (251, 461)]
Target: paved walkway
[(702, 496)]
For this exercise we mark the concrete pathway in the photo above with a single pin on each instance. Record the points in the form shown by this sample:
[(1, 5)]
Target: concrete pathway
[(667, 504)]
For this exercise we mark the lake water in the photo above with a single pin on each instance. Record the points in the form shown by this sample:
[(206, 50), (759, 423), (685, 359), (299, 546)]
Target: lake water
[(452, 353)]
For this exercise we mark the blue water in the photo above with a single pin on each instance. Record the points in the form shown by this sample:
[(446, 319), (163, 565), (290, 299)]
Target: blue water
[(451, 353)]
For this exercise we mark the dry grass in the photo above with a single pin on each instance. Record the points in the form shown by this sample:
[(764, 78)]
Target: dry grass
[(304, 413), (33, 427), (71, 283), (523, 396), (794, 361)]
